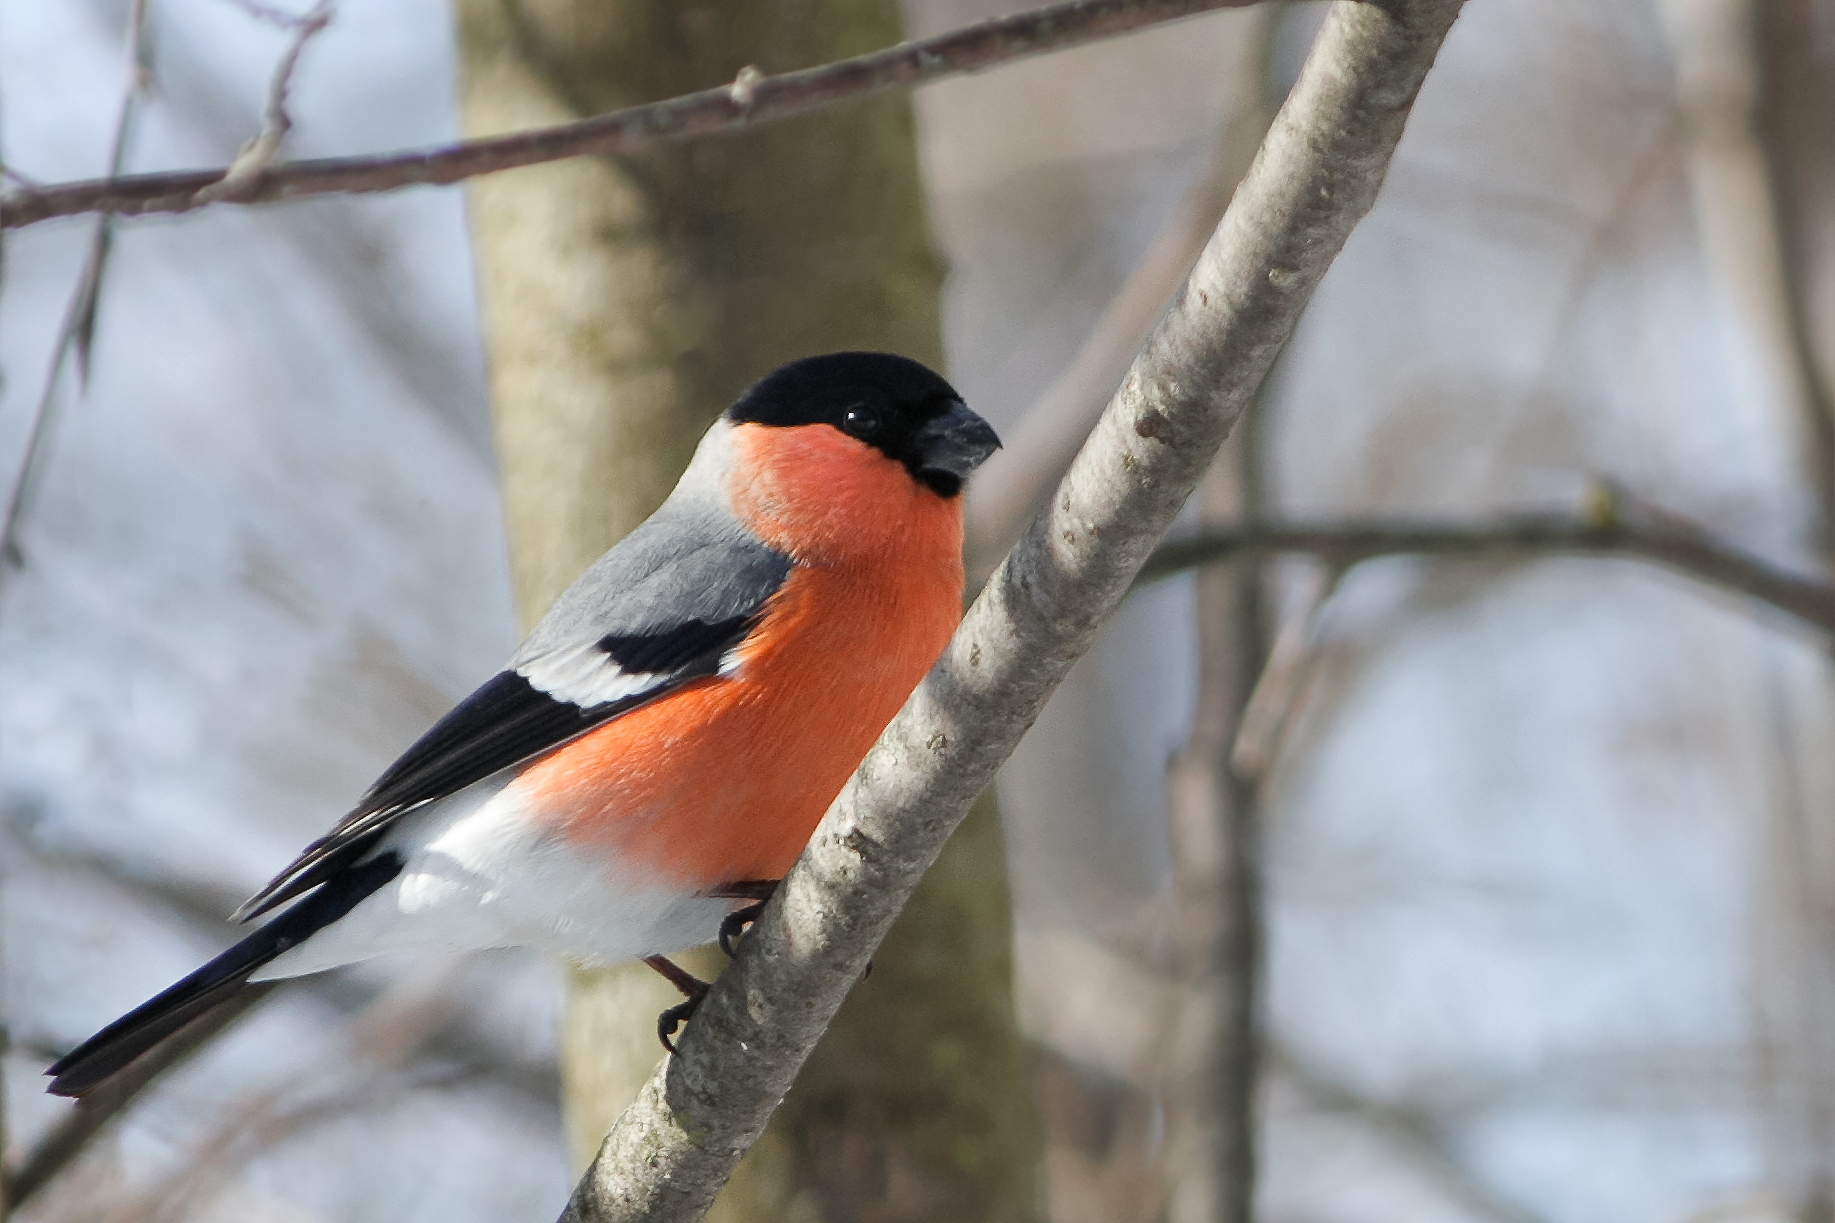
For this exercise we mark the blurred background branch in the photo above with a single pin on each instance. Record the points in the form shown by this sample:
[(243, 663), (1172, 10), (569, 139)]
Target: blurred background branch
[(1407, 1128), (1675, 546), (749, 102), (260, 152), (77, 332)]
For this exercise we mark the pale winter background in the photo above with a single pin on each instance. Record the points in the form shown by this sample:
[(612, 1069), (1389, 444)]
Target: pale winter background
[(1549, 883)]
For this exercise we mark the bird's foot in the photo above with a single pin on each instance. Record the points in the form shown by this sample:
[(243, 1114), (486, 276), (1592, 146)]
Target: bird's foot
[(693, 991), (758, 891)]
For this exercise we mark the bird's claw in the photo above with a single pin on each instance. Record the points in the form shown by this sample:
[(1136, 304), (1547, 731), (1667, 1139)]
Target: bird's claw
[(735, 924), (758, 891), (693, 990), (672, 1019)]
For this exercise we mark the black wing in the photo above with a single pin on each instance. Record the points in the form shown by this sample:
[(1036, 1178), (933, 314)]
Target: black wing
[(647, 618)]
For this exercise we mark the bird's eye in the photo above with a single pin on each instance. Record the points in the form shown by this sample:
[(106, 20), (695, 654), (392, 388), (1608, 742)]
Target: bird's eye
[(860, 420)]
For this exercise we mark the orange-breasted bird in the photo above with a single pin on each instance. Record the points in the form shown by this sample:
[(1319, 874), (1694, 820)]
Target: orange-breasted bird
[(667, 738)]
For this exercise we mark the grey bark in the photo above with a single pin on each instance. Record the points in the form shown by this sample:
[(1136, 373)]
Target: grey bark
[(1316, 176)]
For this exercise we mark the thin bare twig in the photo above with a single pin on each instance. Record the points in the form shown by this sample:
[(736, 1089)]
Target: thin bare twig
[(276, 123), (77, 332), (258, 154), (750, 102), (1693, 553), (1414, 1133), (1317, 175), (269, 13), (336, 243), (1284, 674)]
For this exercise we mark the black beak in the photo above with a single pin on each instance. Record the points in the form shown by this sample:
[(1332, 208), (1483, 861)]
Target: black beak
[(951, 446)]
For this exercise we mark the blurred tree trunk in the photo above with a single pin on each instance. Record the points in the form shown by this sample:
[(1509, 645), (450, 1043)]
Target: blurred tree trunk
[(1215, 825), (1792, 71), (1794, 49), (1216, 838), (626, 301)]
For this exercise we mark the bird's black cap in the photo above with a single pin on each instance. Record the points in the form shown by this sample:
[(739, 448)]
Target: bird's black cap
[(895, 404)]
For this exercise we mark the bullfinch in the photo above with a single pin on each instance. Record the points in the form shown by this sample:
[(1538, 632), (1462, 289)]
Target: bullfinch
[(663, 744)]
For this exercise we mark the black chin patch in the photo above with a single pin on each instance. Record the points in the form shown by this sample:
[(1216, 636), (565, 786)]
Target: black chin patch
[(942, 483)]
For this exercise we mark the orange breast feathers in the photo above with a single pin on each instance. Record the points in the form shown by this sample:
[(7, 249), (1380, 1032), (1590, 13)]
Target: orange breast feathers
[(726, 779)]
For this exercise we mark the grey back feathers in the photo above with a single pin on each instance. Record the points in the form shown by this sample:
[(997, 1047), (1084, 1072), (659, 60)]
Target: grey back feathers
[(687, 578)]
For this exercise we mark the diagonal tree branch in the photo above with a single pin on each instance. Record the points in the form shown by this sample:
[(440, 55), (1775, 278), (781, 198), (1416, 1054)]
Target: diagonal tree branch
[(1670, 544), (755, 98), (1316, 176)]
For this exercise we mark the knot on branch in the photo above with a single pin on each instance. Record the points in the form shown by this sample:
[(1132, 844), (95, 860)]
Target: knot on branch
[(862, 846), (744, 89), (1151, 425)]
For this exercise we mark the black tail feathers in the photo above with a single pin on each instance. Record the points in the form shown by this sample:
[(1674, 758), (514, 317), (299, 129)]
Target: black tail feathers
[(119, 1044)]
